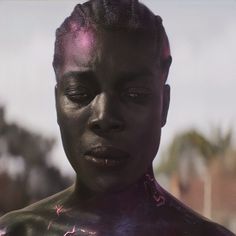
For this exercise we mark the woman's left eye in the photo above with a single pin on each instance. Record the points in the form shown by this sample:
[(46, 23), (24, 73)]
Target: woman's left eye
[(137, 93)]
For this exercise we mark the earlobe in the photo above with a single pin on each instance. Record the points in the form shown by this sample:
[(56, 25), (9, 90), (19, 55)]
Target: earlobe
[(165, 105)]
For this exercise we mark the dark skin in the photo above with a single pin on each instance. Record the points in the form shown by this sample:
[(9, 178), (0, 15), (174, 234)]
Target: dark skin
[(112, 102)]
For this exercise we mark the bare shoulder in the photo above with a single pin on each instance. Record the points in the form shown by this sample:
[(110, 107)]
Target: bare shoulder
[(211, 228), (30, 218), (187, 222), (14, 222)]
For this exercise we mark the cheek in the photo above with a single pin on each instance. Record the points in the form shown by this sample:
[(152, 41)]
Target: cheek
[(72, 124), (147, 132), (147, 121), (71, 118), (151, 138)]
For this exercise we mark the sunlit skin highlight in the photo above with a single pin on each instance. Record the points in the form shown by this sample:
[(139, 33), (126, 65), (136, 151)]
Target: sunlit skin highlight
[(83, 42), (3, 232)]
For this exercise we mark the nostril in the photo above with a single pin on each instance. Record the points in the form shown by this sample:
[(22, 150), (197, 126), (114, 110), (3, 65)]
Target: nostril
[(95, 125), (116, 127), (105, 125)]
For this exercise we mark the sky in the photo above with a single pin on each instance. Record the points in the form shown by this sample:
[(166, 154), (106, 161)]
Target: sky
[(202, 77)]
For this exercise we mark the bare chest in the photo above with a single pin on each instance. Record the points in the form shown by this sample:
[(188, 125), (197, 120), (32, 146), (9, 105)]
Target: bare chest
[(97, 227)]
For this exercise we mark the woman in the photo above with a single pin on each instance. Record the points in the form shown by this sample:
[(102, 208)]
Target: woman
[(111, 63)]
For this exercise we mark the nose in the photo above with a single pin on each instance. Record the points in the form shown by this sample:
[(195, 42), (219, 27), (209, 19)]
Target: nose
[(105, 115)]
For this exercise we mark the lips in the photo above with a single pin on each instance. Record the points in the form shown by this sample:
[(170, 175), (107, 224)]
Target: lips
[(106, 156)]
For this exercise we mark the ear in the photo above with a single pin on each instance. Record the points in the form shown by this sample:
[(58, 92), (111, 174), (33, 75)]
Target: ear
[(165, 104), (56, 99), (166, 67)]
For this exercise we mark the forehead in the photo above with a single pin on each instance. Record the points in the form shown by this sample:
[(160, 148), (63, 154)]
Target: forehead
[(131, 47), (79, 45), (109, 50)]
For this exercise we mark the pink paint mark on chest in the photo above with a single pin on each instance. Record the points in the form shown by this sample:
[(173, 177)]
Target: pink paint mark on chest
[(70, 232), (87, 232), (49, 225), (59, 210)]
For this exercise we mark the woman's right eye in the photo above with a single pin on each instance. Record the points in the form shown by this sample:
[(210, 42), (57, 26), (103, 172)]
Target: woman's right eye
[(78, 95)]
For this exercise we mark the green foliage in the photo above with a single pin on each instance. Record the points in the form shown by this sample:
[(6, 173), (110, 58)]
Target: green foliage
[(194, 140), (38, 179)]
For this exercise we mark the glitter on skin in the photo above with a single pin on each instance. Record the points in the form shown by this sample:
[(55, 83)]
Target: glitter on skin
[(84, 40), (74, 26), (81, 44)]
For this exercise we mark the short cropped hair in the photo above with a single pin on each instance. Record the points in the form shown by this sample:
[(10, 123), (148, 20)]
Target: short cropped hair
[(123, 15)]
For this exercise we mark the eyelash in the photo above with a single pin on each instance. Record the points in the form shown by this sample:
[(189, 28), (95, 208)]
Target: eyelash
[(137, 93), (78, 95), (83, 96)]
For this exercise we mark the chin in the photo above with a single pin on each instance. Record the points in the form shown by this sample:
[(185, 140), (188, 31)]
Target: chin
[(107, 184)]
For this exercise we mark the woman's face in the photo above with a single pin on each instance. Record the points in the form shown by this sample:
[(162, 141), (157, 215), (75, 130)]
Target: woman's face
[(111, 105)]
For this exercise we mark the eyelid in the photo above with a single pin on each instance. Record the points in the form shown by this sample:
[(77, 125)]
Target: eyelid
[(74, 92), (74, 88), (138, 89), (137, 95)]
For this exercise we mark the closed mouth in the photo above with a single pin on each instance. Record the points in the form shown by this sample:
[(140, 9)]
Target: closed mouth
[(106, 156)]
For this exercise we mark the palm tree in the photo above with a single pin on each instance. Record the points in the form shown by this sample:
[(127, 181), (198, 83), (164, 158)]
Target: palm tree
[(191, 153)]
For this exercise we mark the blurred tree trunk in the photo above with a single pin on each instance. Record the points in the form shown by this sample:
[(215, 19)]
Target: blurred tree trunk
[(207, 204)]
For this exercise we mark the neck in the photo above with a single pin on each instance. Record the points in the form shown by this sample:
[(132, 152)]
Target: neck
[(125, 201)]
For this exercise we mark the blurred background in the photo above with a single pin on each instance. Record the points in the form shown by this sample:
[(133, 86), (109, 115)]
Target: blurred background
[(197, 158)]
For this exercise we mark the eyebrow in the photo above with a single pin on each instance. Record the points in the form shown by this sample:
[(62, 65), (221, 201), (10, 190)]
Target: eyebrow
[(78, 74), (122, 77), (143, 75)]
